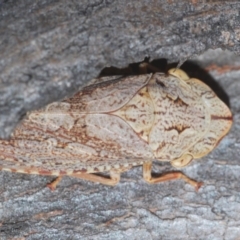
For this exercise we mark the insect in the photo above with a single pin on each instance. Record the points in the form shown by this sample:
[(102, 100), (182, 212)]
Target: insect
[(116, 123)]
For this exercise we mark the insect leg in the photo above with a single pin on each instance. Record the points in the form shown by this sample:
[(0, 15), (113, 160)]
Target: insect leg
[(147, 175), (114, 178), (54, 183)]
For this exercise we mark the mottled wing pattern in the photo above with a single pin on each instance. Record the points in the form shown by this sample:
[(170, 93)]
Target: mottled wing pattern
[(107, 95), (78, 134)]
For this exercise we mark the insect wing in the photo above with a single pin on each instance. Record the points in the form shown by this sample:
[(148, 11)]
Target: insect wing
[(79, 134)]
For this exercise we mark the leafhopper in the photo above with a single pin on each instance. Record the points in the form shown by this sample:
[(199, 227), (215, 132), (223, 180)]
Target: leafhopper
[(119, 122)]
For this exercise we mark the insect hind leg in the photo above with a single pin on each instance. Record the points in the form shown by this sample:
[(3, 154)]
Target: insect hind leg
[(112, 180)]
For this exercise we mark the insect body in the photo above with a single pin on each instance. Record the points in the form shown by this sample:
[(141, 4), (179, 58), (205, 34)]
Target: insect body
[(117, 123)]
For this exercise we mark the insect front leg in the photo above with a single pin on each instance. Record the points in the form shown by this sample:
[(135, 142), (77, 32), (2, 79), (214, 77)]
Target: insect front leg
[(147, 175)]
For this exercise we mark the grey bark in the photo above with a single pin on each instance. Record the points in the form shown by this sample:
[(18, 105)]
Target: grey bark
[(49, 49)]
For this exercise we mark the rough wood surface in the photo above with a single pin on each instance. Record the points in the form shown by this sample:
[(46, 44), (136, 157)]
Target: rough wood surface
[(49, 48)]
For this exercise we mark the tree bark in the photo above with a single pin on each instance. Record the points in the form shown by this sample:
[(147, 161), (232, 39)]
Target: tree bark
[(49, 49)]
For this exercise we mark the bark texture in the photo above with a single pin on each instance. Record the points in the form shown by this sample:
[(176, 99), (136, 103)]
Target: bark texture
[(51, 48)]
